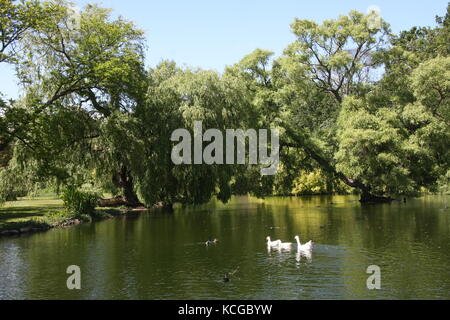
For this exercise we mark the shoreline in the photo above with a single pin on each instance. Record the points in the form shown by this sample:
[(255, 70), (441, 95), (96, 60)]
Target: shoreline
[(31, 227), (103, 213)]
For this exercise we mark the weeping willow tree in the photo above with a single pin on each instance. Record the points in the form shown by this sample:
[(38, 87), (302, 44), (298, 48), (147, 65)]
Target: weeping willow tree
[(80, 77), (176, 99)]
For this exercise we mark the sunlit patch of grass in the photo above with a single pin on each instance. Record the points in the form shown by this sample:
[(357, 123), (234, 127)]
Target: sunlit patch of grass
[(29, 212), (42, 211), (28, 208)]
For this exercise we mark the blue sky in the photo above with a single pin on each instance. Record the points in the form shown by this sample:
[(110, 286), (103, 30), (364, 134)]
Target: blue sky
[(212, 34)]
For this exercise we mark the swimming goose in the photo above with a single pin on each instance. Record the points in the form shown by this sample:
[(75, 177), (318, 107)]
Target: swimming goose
[(303, 247), (285, 245), (272, 244)]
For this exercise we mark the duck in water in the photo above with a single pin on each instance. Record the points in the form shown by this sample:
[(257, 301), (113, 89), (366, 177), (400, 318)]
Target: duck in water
[(228, 275), (211, 242)]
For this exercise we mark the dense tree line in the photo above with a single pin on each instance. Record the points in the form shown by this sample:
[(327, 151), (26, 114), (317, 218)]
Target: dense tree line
[(358, 108)]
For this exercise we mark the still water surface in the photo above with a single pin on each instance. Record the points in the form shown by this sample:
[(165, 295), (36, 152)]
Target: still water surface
[(163, 256)]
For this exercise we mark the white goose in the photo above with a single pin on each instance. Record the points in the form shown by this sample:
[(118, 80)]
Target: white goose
[(285, 245), (272, 244), (303, 247)]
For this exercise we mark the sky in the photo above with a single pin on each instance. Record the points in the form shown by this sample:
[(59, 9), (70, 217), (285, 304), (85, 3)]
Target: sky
[(212, 34)]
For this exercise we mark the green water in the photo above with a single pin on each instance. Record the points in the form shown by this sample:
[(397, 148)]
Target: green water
[(163, 256)]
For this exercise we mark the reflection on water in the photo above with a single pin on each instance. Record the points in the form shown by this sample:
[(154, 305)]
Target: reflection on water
[(164, 256)]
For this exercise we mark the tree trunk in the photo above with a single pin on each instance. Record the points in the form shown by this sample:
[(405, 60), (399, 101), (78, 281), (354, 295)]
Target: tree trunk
[(367, 197), (113, 202), (128, 188), (123, 180), (366, 194)]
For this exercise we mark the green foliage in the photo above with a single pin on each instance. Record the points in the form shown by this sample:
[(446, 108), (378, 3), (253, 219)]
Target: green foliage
[(444, 183), (16, 18), (78, 203), (402, 148), (176, 98), (318, 183), (18, 181), (8, 190), (310, 183), (370, 147), (91, 113), (430, 83), (89, 73)]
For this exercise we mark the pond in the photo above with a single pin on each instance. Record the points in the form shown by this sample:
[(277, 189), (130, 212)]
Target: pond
[(158, 255)]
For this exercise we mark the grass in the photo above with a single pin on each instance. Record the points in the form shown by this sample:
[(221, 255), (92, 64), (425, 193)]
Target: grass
[(41, 212), (28, 212)]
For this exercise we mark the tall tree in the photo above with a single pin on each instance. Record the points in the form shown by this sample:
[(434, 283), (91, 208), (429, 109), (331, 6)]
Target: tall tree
[(176, 99), (78, 76), (326, 64)]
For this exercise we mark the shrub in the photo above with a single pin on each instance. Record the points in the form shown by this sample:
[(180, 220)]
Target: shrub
[(317, 182), (78, 203)]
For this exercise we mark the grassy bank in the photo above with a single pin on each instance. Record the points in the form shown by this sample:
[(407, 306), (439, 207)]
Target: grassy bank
[(42, 213)]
